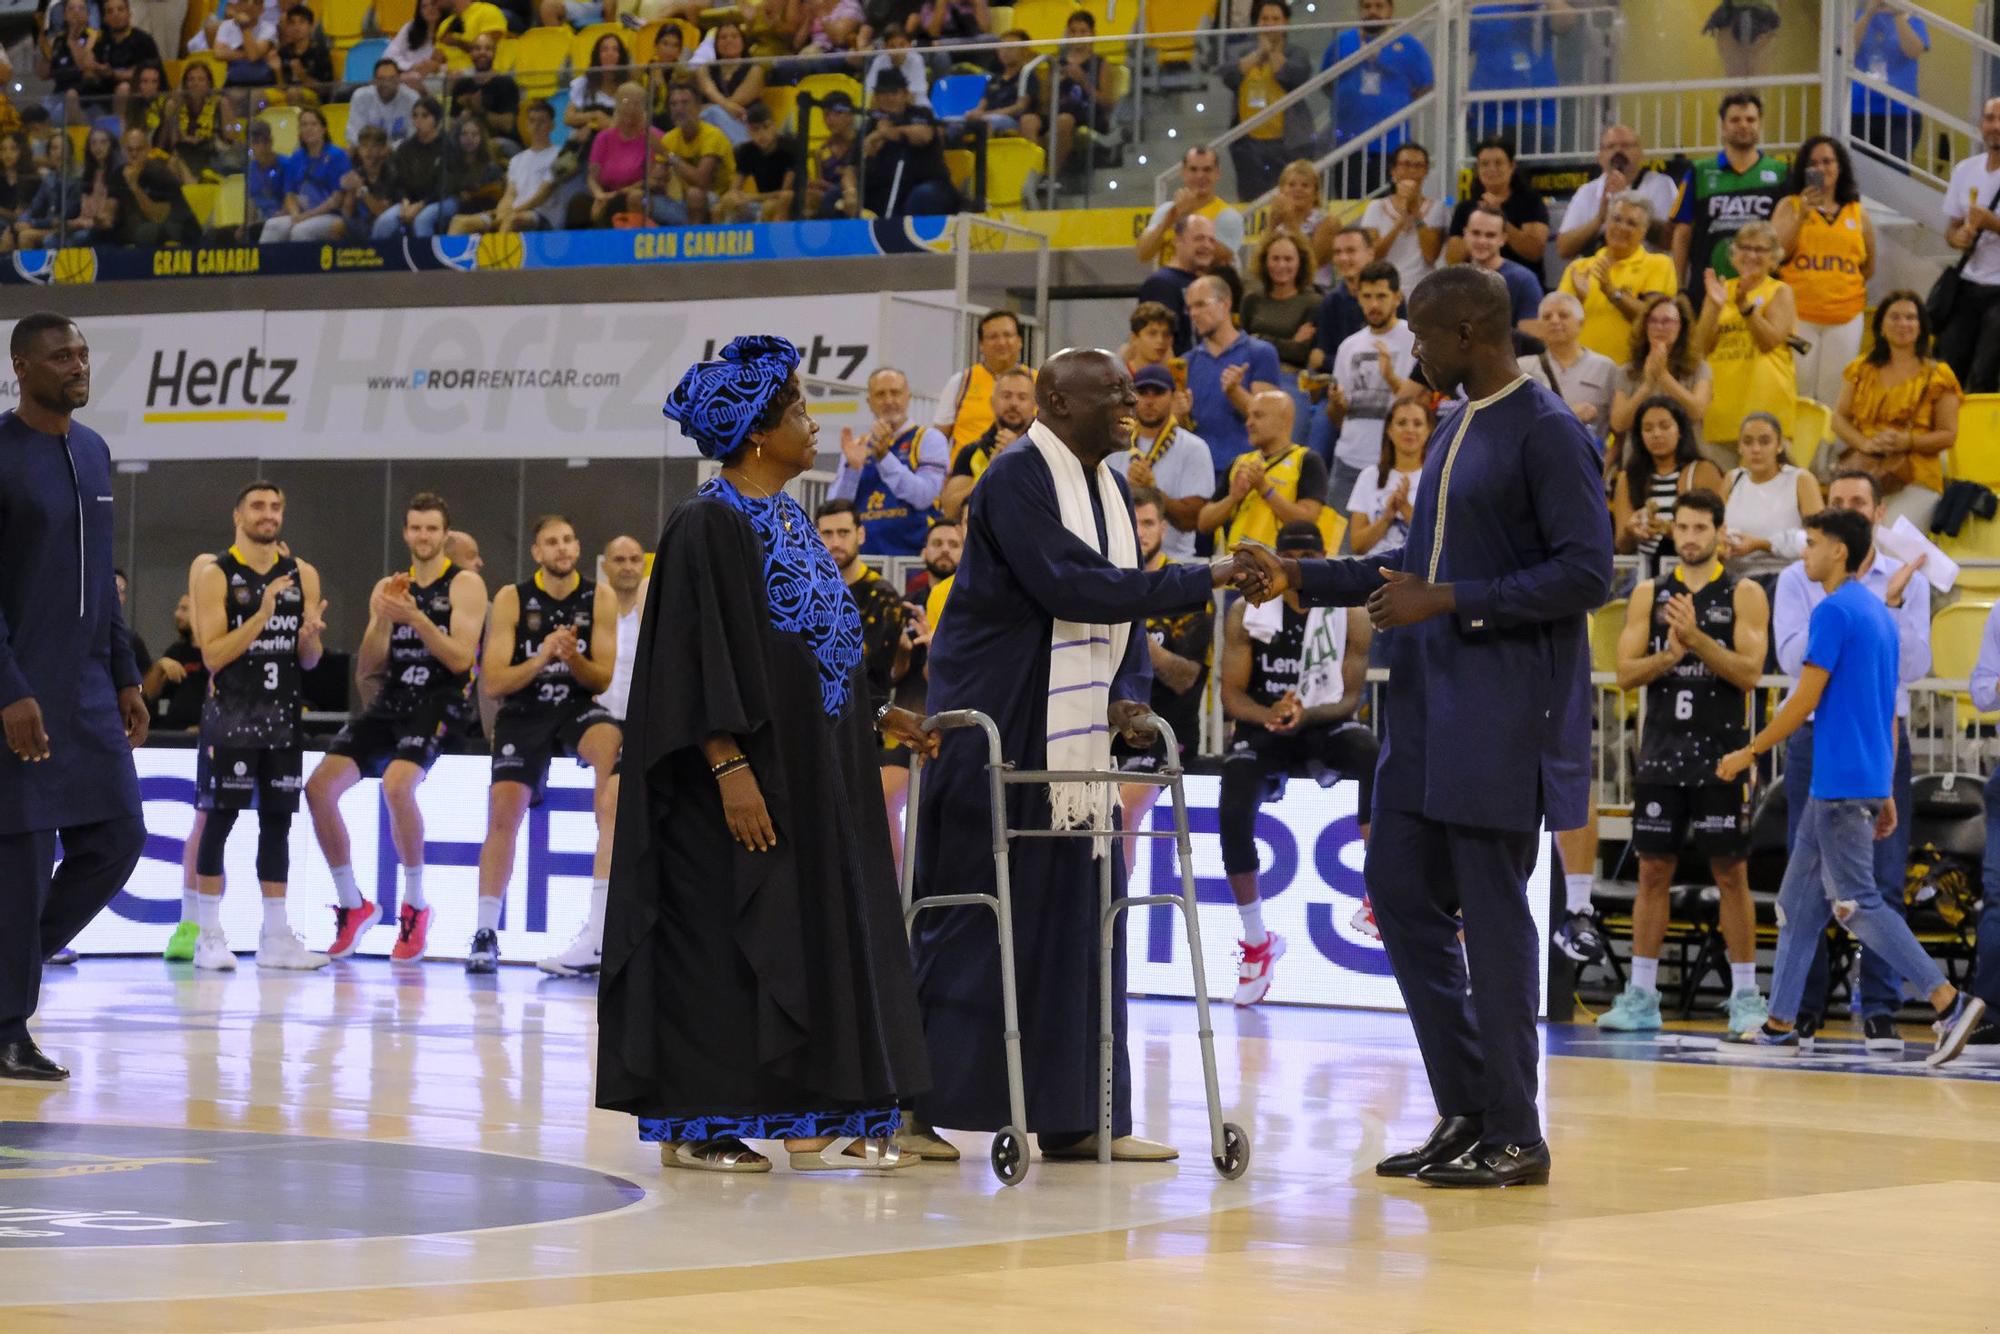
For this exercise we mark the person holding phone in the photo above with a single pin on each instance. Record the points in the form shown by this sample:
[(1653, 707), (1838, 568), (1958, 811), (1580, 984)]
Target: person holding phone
[(1621, 164), (1829, 246)]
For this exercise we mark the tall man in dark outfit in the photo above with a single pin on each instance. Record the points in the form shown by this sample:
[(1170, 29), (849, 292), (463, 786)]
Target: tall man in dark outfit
[(1488, 739), (69, 688)]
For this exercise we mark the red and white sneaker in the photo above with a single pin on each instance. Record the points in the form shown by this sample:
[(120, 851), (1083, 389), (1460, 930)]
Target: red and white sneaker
[(348, 924), (1253, 975), (1364, 920), (413, 929)]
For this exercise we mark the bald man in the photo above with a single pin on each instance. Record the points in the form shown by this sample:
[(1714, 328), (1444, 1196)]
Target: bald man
[(462, 549), (1275, 483), (1488, 719)]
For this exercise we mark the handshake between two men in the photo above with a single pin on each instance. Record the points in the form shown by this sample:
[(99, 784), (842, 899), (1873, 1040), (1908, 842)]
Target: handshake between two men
[(1260, 574)]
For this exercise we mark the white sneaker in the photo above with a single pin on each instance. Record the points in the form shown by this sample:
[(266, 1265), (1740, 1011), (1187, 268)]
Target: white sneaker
[(211, 952), (284, 949), (1258, 967), (580, 958)]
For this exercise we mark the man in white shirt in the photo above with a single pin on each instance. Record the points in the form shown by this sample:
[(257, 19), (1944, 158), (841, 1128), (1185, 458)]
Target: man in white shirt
[(1578, 376), (387, 102), (1200, 169), (1621, 166), (1970, 340), (1173, 461), (1371, 371), (527, 204), (1408, 228)]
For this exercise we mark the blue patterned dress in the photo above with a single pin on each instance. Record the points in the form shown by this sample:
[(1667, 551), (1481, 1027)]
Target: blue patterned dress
[(757, 995)]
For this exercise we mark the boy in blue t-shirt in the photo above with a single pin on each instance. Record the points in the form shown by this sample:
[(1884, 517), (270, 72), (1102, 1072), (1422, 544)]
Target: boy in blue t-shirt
[(1847, 686)]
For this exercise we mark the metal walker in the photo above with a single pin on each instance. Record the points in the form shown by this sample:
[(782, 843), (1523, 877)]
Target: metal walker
[(1229, 1147)]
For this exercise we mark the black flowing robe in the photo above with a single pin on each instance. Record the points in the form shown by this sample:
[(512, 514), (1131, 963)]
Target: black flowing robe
[(738, 985)]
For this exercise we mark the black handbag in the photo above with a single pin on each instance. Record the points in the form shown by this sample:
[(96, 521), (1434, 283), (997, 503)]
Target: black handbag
[(1944, 292)]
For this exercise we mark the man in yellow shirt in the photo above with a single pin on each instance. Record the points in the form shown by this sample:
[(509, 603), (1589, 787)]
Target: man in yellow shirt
[(1275, 483), (1615, 283), (467, 20), (965, 411), (693, 164)]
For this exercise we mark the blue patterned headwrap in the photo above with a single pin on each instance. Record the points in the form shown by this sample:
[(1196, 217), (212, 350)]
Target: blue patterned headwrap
[(718, 403)]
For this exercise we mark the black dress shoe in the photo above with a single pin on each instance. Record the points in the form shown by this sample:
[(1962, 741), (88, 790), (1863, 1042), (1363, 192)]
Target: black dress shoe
[(22, 1059), (1452, 1136), (1492, 1165)]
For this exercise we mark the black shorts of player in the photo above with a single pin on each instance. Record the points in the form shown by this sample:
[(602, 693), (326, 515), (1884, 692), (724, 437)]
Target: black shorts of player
[(1127, 759), (374, 740), (232, 778), (1258, 762), (523, 747), (1717, 814)]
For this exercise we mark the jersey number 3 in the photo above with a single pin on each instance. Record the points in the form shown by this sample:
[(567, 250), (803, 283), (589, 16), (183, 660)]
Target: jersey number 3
[(270, 676)]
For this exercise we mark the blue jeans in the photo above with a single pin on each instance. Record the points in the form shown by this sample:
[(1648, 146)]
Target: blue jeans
[(1320, 435), (388, 224), (1832, 862), (435, 218), (1340, 480), (1881, 992), (1986, 963)]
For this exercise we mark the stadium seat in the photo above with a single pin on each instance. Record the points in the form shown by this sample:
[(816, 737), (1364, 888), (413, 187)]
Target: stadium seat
[(586, 38), (200, 196), (960, 162), (343, 18), (781, 102), (956, 94), (999, 18), (1009, 163), (539, 55), (560, 103), (1975, 455), (229, 203), (1812, 426), (284, 123), (1955, 634), (1979, 539), (336, 121), (391, 15), (1043, 20), (1176, 16), (361, 58)]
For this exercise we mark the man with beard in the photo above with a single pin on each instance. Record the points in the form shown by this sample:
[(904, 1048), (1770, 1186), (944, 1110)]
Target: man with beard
[(965, 406), (258, 617), (1012, 408), (942, 547), (1167, 459), (70, 703), (1371, 374), (494, 98), (550, 643)]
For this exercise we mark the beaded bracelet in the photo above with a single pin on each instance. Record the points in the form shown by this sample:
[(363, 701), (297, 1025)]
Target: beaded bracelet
[(729, 765)]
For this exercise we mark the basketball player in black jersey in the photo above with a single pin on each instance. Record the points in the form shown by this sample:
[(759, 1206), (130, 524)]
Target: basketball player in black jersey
[(551, 645), (1695, 639), (423, 636), (257, 619)]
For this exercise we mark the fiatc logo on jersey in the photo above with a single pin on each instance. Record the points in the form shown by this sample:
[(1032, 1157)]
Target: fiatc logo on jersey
[(183, 386)]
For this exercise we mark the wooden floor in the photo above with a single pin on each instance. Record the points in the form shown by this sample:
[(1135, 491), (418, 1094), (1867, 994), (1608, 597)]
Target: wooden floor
[(450, 1118)]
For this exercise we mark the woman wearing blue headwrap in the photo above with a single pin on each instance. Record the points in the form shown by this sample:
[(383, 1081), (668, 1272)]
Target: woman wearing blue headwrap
[(756, 981)]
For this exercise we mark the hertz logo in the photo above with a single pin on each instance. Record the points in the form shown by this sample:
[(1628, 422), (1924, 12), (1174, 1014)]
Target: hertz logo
[(243, 389)]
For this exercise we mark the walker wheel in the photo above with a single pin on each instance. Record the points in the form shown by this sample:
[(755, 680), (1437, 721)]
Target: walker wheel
[(1234, 1159), (1010, 1156)]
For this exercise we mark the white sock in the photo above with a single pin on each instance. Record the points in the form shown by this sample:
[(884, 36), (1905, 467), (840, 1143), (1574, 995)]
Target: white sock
[(275, 921), (489, 914), (344, 887), (1252, 914), (1743, 976), (190, 907), (1577, 890), (413, 888), (208, 911), (600, 892), (1645, 973)]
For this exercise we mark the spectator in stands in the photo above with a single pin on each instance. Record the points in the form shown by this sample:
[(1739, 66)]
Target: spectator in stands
[(895, 471), (1580, 376), (472, 179), (828, 25), (1694, 639), (414, 51), (902, 157), (1744, 333), (1371, 93), (1621, 166), (182, 675), (965, 404), (263, 183), (1662, 360), (1226, 369), (1272, 483), (1174, 463), (1408, 228), (619, 154), (765, 173), (162, 20), (466, 20), (1261, 76), (1512, 46), (1523, 214), (367, 188), (666, 57), (20, 179), (302, 62), (1371, 371), (1483, 246), (416, 170), (1740, 185), (1615, 284), (1970, 339), (1769, 501), (1886, 43), (593, 93), (693, 165), (1007, 105), (494, 98), (1010, 407), (1298, 205), (730, 86), (1744, 31), (245, 43), (1898, 411), (152, 211), (190, 120), (834, 189), (1193, 250), (1381, 505), (898, 52), (1282, 307), (314, 200), (55, 208), (1086, 90), (1662, 463), (63, 52), (113, 60), (386, 102), (1200, 169), (1338, 318), (951, 22), (883, 646), (528, 202), (1828, 243)]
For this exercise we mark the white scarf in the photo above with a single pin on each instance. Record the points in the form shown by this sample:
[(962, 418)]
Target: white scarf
[(1084, 657), (1320, 651)]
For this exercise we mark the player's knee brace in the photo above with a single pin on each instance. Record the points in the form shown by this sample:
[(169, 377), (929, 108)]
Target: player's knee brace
[(274, 846), (214, 837)]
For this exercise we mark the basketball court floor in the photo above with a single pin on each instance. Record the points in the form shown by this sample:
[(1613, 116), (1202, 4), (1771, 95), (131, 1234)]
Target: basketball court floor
[(414, 1149)]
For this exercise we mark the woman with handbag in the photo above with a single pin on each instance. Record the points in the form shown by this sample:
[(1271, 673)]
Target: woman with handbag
[(1898, 411)]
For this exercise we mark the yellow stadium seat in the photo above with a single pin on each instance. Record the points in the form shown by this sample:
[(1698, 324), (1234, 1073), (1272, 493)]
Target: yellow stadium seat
[(1043, 20), (200, 196), (1978, 539), (539, 55), (1812, 426), (1975, 455), (344, 18), (173, 70), (229, 203), (1008, 164), (586, 40), (1955, 634), (1176, 16), (1115, 22), (391, 15), (999, 18), (960, 162), (336, 121), (284, 123), (79, 135), (782, 102)]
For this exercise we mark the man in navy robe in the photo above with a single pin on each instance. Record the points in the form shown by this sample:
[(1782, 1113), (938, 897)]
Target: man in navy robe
[(1021, 572), (1488, 718), (69, 688)]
